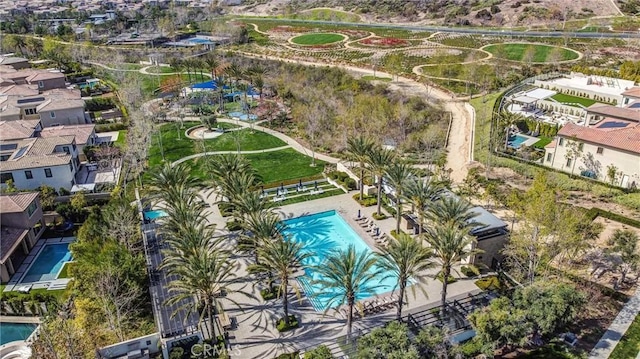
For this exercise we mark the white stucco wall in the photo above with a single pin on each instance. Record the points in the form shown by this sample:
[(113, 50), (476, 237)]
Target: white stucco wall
[(627, 163), (62, 176), (74, 116)]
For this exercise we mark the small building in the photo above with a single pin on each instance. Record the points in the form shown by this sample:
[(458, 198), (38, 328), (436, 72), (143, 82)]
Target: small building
[(46, 80), (491, 238), (16, 63), (141, 347), (21, 225)]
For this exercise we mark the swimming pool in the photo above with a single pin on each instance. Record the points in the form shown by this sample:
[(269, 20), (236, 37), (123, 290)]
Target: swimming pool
[(243, 116), (320, 234), (10, 332), (48, 263), (517, 140), (151, 215)]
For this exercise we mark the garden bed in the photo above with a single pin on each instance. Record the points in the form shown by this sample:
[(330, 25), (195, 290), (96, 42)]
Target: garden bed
[(282, 326)]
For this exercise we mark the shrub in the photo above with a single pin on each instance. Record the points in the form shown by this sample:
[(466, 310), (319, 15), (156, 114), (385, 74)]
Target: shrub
[(367, 201), (100, 104), (233, 226), (488, 283), (111, 127), (176, 353), (294, 355), (450, 279), (268, 293), (467, 271), (282, 325), (350, 183), (379, 217), (321, 352)]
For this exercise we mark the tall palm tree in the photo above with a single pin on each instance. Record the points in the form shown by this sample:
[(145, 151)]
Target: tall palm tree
[(282, 258), (378, 160), (202, 277), (420, 193), (212, 62), (348, 274), (170, 180), (235, 72), (406, 258), (508, 119), (260, 228), (449, 245), (454, 212), (359, 149), (399, 174)]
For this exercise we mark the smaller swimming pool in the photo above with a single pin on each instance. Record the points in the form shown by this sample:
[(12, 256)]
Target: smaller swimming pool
[(152, 215), (48, 263), (11, 332), (243, 116), (516, 141)]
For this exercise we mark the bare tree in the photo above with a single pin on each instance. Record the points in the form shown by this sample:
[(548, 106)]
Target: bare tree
[(117, 300), (122, 222)]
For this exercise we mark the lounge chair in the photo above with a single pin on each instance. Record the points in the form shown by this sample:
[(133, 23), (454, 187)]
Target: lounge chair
[(366, 223), (361, 218)]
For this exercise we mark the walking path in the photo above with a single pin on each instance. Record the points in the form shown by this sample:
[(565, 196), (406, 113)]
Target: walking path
[(212, 153), (616, 330)]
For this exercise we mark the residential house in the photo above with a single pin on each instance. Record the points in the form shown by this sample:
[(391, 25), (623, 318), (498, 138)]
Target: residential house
[(85, 135), (19, 129), (43, 79), (33, 162), (53, 108), (591, 151), (631, 96), (16, 63), (21, 225), (598, 112)]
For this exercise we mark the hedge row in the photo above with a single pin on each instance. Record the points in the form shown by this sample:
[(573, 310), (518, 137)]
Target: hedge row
[(593, 213)]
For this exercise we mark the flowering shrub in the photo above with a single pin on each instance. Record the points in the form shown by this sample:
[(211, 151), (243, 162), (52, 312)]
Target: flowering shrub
[(384, 41)]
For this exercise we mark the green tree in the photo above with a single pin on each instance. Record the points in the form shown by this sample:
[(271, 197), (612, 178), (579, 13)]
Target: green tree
[(612, 174), (432, 342), (47, 197), (79, 201), (348, 275), (281, 258), (399, 174), (407, 259), (358, 149), (625, 244), (321, 352), (390, 342), (453, 212), (261, 228), (500, 324), (378, 161), (421, 193)]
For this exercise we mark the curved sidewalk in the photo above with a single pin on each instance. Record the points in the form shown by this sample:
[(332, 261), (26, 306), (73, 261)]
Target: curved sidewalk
[(612, 336), (202, 154)]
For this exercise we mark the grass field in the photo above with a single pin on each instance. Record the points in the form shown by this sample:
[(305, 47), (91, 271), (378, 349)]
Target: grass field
[(249, 141), (64, 271), (542, 142), (531, 52), (568, 99), (326, 14), (122, 139), (629, 345), (272, 167), (317, 39)]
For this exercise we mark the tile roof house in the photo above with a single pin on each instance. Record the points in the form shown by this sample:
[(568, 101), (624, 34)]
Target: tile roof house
[(21, 225), (15, 62), (33, 162), (612, 142), (85, 135), (52, 108), (20, 129)]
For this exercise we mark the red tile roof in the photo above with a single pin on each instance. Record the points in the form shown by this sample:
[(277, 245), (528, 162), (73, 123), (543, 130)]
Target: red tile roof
[(632, 92), (616, 112), (551, 144), (627, 138)]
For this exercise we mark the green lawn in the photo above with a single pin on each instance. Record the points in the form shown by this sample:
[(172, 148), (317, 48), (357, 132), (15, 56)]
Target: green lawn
[(629, 345), (484, 108), (327, 14), (317, 39), (64, 271), (568, 99), (531, 52), (542, 142), (122, 139), (249, 141), (273, 167)]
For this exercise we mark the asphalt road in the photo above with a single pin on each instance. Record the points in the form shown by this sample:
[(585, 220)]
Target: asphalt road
[(474, 31)]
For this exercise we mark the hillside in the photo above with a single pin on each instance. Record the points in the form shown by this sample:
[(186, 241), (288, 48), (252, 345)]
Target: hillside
[(452, 12)]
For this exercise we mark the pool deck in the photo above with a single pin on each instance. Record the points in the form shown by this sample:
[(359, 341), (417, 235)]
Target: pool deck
[(255, 336), (16, 280)]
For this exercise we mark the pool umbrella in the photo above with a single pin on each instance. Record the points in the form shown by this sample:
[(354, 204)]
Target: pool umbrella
[(358, 213), (377, 231), (300, 183)]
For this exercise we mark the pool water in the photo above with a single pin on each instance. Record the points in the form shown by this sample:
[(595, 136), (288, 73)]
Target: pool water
[(48, 263), (243, 116), (320, 234), (10, 332), (517, 140), (151, 215)]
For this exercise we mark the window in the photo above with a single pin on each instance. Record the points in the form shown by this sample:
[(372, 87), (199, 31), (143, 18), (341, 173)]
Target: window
[(47, 172), (52, 114), (30, 111), (40, 84), (4, 157), (600, 150), (568, 162), (549, 155), (28, 174), (32, 208), (4, 177), (66, 149), (561, 143)]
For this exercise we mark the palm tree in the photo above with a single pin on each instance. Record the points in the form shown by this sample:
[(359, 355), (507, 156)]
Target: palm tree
[(347, 274), (398, 175), (260, 228), (454, 212), (406, 258), (235, 72), (212, 63), (359, 149), (508, 119), (201, 276), (420, 193), (282, 258), (449, 245), (170, 180), (378, 160)]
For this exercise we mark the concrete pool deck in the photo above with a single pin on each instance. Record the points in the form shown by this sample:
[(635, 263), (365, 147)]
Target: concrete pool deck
[(255, 335)]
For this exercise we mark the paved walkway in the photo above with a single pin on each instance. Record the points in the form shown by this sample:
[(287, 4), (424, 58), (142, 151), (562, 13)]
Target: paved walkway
[(202, 154), (616, 330)]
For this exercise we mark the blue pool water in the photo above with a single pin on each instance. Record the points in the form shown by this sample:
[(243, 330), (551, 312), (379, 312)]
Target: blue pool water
[(151, 215), (243, 116), (321, 233), (197, 40), (517, 140), (48, 263), (10, 332)]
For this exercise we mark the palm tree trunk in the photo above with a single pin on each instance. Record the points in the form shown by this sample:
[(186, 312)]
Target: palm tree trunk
[(398, 211), (285, 302), (421, 223), (212, 331), (446, 271), (361, 184), (403, 285), (379, 194), (350, 319)]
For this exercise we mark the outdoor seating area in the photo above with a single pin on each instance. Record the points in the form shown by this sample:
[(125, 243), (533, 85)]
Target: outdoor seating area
[(372, 306), (281, 193), (369, 225)]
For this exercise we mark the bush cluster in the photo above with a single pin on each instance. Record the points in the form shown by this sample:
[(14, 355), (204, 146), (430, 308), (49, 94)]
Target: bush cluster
[(343, 179), (282, 325), (367, 201), (100, 104)]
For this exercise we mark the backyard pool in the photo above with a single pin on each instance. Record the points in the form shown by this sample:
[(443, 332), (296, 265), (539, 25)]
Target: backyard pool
[(48, 263), (10, 332), (320, 234), (517, 140), (153, 215)]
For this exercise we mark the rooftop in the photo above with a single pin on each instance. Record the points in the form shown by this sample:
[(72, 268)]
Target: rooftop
[(632, 92), (602, 85), (81, 132), (16, 130), (616, 112), (626, 138), (16, 202), (37, 152), (9, 238)]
